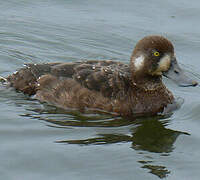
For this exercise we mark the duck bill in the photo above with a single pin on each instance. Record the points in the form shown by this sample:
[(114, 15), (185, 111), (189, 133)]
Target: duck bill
[(178, 75)]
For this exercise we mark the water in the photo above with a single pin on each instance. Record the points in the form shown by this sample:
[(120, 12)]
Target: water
[(42, 142)]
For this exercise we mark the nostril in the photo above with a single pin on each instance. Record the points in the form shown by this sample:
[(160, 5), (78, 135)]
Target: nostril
[(194, 83), (176, 71)]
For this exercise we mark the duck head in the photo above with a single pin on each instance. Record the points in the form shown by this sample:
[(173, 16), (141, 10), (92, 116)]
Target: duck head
[(153, 57)]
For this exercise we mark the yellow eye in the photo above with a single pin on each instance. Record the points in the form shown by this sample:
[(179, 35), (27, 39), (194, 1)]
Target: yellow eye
[(156, 53)]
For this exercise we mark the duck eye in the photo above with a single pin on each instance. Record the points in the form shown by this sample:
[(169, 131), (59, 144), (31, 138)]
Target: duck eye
[(156, 53)]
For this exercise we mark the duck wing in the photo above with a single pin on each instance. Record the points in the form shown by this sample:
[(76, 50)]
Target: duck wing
[(107, 77)]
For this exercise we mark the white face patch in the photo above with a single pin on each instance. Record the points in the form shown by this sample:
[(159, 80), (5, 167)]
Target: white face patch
[(164, 63), (139, 62)]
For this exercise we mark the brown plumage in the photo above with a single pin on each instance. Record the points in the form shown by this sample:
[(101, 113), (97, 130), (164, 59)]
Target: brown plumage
[(103, 85)]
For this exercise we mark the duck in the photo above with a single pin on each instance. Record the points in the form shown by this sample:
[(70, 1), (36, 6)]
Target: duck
[(134, 89)]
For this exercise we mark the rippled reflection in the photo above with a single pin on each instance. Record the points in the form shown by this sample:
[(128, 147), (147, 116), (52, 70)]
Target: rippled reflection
[(159, 171), (145, 134)]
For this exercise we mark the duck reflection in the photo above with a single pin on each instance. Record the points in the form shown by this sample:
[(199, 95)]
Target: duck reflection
[(145, 134)]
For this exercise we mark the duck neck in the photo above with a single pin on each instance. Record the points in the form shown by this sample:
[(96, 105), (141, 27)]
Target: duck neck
[(147, 82)]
